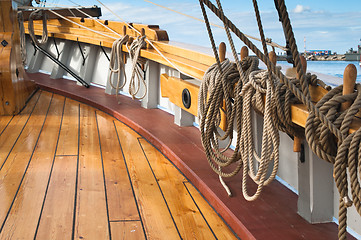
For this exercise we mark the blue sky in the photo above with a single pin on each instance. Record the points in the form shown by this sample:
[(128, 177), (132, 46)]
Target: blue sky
[(332, 25)]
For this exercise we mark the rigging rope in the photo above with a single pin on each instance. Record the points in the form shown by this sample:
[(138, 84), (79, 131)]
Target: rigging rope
[(325, 122)]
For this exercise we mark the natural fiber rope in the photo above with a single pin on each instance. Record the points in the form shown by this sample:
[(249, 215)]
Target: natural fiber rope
[(137, 78), (38, 14), (117, 65), (332, 124), (22, 37)]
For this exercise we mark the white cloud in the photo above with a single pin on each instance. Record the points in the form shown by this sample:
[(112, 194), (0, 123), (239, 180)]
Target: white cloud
[(301, 8)]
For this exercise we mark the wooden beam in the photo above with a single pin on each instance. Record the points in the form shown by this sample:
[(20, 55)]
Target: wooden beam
[(68, 12)]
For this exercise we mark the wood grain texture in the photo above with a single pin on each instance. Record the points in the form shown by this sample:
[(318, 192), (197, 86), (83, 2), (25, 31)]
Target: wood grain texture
[(189, 220), (24, 214), (13, 170), (14, 87), (131, 230), (56, 221), (68, 139), (121, 202), (11, 133), (90, 224), (218, 226), (154, 212)]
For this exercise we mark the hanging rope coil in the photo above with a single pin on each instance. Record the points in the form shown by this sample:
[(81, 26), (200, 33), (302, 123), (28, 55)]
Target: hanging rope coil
[(137, 77), (22, 37), (117, 65), (37, 14), (324, 123)]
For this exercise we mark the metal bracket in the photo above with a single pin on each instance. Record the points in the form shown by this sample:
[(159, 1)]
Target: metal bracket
[(81, 52), (4, 43), (79, 79), (57, 49), (105, 53)]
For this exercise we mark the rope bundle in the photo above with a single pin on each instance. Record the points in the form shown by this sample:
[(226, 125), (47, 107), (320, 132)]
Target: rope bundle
[(116, 63), (323, 124), (137, 76), (37, 14)]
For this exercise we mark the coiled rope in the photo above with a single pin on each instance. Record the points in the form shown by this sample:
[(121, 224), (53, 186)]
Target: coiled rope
[(137, 77), (324, 121), (36, 15), (116, 64), (22, 37)]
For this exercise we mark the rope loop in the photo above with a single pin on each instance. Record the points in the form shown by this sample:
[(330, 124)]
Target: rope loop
[(38, 14)]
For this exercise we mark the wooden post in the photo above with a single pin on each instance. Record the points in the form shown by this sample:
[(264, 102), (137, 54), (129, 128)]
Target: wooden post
[(349, 79), (222, 57), (298, 141), (273, 57), (244, 52)]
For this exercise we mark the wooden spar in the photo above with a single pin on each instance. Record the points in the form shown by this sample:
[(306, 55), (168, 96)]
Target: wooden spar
[(69, 12), (15, 88), (349, 80)]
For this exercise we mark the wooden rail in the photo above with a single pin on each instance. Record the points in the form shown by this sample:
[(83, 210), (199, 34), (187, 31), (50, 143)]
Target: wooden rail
[(191, 62)]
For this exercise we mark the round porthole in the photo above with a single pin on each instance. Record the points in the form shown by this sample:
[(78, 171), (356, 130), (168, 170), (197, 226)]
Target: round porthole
[(186, 98)]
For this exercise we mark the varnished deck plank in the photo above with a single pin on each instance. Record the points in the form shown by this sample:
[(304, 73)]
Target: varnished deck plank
[(131, 230), (57, 217), (120, 197), (25, 211), (91, 220), (13, 130), (156, 217), (12, 172), (105, 182), (189, 220), (218, 226), (4, 121), (68, 140)]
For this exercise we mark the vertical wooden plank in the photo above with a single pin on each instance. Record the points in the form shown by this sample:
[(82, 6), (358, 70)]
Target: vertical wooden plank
[(68, 140), (24, 214), (121, 202), (131, 230), (56, 221), (218, 226), (16, 163), (11, 133), (91, 220), (153, 209), (188, 218)]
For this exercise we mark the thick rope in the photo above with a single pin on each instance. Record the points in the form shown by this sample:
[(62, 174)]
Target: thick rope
[(22, 37), (324, 122), (116, 64), (137, 77), (35, 15)]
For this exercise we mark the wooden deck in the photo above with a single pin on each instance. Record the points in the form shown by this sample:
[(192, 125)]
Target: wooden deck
[(70, 171)]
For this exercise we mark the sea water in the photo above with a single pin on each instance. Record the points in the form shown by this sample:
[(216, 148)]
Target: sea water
[(331, 72), (333, 68)]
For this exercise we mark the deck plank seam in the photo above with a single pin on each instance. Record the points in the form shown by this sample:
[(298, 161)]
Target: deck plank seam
[(27, 166), (125, 220), (51, 171), (76, 178), (7, 124), (104, 180), (160, 189), (131, 183), (20, 133), (184, 183)]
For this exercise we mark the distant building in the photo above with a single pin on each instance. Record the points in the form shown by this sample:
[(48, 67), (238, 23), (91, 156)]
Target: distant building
[(319, 52), (352, 55)]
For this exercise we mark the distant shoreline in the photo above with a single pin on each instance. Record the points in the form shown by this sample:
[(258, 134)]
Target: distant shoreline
[(336, 57)]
